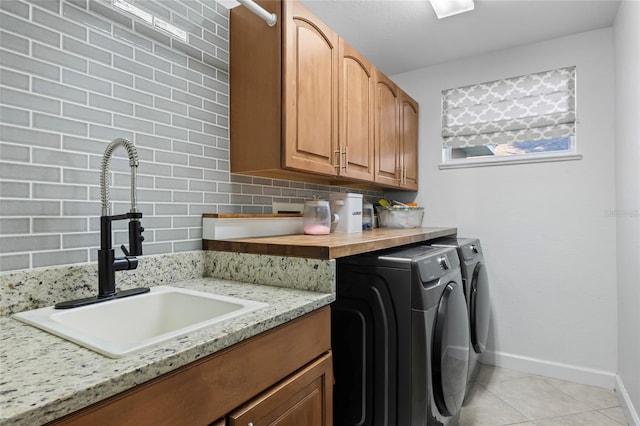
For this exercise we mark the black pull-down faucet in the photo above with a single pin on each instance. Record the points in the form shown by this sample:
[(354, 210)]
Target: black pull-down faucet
[(108, 264)]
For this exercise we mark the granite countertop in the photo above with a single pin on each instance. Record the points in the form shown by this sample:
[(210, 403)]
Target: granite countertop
[(45, 377)]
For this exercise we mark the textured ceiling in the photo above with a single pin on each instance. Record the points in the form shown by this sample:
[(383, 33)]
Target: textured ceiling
[(404, 35)]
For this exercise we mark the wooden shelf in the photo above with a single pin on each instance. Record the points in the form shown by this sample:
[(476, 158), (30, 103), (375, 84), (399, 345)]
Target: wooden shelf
[(331, 246)]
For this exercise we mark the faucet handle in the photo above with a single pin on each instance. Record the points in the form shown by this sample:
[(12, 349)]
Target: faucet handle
[(124, 250)]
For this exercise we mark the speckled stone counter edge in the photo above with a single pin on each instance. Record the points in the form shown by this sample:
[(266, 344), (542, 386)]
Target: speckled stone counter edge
[(37, 288), (49, 377)]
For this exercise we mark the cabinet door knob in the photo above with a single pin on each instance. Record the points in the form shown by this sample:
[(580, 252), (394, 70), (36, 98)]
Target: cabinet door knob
[(250, 424)]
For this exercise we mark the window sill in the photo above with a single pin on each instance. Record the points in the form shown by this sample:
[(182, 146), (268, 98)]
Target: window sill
[(507, 160)]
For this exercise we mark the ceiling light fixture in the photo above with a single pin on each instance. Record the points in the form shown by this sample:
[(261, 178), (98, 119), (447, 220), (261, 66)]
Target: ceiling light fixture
[(446, 8)]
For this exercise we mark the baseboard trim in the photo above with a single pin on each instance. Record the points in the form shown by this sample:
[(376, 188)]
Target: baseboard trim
[(556, 370), (625, 402)]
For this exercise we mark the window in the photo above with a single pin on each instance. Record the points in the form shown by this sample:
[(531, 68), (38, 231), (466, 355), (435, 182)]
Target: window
[(520, 119)]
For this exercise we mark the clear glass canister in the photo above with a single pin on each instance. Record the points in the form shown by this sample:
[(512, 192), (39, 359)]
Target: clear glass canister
[(316, 217)]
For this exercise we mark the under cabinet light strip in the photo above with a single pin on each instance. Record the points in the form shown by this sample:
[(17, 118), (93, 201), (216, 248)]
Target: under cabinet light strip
[(270, 18), (171, 29), (136, 11)]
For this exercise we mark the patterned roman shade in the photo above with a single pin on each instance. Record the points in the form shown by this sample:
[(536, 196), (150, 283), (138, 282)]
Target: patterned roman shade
[(531, 107)]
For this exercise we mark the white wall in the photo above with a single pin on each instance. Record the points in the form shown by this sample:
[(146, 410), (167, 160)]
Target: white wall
[(627, 89), (548, 229)]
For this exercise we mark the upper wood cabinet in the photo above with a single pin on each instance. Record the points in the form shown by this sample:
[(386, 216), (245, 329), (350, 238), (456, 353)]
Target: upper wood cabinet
[(408, 109), (304, 105), (310, 91), (283, 94), (396, 137), (387, 170), (356, 115)]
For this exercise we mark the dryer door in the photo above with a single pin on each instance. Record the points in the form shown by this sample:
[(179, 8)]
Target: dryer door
[(450, 356), (479, 308)]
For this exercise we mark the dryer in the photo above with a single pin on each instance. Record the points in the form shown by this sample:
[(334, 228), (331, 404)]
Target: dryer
[(400, 338), (477, 292)]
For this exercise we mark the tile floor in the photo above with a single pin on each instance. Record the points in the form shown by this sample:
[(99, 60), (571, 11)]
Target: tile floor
[(507, 397)]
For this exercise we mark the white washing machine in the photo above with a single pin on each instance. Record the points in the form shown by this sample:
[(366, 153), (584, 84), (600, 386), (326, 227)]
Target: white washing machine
[(476, 289)]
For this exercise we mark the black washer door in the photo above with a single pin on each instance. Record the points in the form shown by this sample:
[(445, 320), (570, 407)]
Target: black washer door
[(479, 308), (450, 356)]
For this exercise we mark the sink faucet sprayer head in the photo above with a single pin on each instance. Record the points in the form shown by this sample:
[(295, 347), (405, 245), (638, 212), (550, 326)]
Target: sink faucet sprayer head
[(104, 174)]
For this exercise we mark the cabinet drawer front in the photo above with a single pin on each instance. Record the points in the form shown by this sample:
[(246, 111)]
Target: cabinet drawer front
[(302, 399)]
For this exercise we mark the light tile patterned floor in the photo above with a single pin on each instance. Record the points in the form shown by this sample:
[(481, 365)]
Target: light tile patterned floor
[(507, 397)]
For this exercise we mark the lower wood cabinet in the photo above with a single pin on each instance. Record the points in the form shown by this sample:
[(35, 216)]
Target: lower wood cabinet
[(280, 377), (303, 399)]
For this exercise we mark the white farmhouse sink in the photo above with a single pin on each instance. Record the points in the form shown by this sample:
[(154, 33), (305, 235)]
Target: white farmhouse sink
[(120, 327)]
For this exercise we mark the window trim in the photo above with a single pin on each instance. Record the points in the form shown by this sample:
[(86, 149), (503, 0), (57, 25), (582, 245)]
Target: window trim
[(509, 159)]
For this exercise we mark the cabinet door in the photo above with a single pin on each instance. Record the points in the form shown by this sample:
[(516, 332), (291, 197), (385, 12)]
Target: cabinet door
[(408, 142), (387, 158), (303, 399), (356, 111), (310, 92)]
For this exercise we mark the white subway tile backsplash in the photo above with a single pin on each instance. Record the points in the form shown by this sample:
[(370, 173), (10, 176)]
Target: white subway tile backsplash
[(14, 42), (149, 86), (59, 124), (19, 117), (58, 225), (58, 257), (9, 152), (86, 50), (170, 106), (187, 123), (133, 39), (84, 113), (14, 190), (80, 208), (59, 57), (45, 191), (15, 7), (110, 104), (84, 81), (14, 244), (133, 67), (28, 65), (31, 207), (76, 74), (29, 101), (54, 22), (58, 91), (90, 20), (12, 262), (14, 79), (10, 226), (109, 44), (29, 30), (29, 173)]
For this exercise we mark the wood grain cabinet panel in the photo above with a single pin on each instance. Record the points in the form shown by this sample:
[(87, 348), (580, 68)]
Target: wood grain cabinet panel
[(396, 138), (387, 170), (408, 142), (304, 105), (300, 400), (356, 115), (310, 91)]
